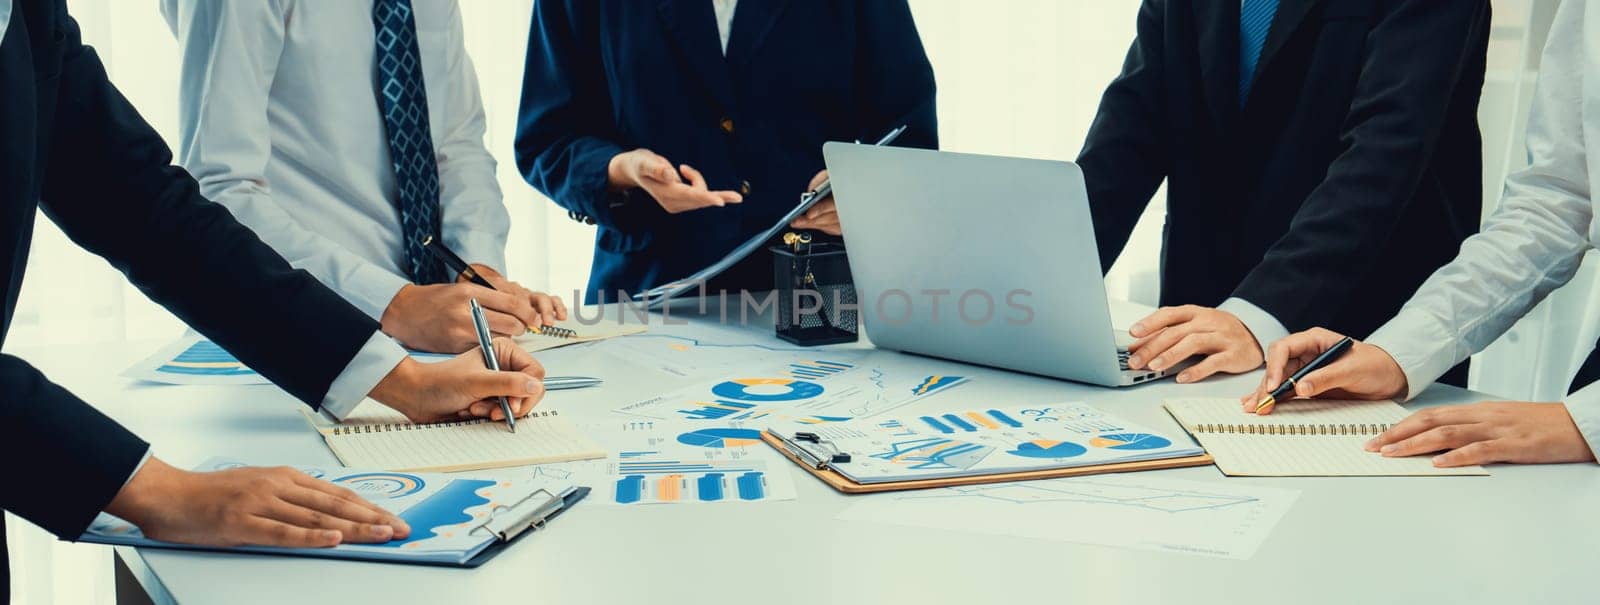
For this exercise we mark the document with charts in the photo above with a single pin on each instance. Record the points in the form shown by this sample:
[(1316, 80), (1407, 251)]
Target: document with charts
[(1301, 438), (1139, 511), (453, 518), (837, 387), (985, 441), (679, 462)]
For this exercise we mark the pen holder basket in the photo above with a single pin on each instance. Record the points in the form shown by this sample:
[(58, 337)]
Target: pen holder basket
[(816, 297)]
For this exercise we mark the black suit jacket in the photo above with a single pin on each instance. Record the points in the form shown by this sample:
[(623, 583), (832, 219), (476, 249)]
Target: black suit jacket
[(1351, 173), (72, 146)]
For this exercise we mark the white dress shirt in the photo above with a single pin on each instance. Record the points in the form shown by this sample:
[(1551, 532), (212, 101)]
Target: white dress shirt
[(1533, 242), (281, 123), (724, 11)]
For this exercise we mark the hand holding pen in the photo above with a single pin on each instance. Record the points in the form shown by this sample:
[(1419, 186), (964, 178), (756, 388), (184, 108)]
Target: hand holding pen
[(536, 311), (1321, 363)]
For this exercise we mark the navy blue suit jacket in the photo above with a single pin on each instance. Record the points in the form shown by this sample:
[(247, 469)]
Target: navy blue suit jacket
[(608, 76), (72, 146)]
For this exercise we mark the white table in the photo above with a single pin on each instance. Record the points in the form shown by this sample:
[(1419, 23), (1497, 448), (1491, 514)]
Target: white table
[(1524, 535)]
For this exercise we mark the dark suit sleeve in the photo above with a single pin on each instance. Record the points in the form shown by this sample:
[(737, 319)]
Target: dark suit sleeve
[(565, 135), (66, 460), (1126, 155), (111, 187), (894, 78), (1415, 57)]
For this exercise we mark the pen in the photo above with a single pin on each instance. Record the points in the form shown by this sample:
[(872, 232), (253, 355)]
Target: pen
[(561, 383), (1287, 387), (454, 262), (484, 342)]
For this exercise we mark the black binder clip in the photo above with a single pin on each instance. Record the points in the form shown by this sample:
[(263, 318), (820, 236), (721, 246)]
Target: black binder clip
[(835, 456)]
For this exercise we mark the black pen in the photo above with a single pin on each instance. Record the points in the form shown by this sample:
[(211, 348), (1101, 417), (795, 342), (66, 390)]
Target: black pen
[(1287, 387), (460, 266)]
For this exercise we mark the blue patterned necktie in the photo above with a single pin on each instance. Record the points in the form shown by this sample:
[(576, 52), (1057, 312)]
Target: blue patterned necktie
[(404, 101), (1255, 19)]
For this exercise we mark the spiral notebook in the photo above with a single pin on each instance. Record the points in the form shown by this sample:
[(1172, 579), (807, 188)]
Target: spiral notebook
[(1301, 438), (375, 436), (571, 332)]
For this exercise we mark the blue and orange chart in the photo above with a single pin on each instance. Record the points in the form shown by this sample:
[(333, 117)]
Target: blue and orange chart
[(721, 438), (807, 390), (1130, 441), (645, 480)]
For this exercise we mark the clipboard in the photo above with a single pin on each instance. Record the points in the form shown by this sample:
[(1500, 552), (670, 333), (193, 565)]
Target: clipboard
[(845, 485), (507, 535)]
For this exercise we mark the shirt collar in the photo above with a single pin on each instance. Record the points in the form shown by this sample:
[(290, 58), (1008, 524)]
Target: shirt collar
[(5, 17)]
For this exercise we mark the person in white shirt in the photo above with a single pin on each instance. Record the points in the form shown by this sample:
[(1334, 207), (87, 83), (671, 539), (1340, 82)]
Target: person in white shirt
[(1530, 246), (344, 133)]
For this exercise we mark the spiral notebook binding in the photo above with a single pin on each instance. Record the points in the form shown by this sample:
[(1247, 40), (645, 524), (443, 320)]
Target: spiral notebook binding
[(1294, 429), (555, 332), (362, 429)]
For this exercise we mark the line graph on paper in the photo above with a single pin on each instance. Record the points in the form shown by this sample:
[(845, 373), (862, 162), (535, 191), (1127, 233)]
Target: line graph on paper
[(1139, 512)]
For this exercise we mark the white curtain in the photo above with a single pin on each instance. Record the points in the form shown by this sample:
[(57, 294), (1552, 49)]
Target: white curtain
[(1016, 77)]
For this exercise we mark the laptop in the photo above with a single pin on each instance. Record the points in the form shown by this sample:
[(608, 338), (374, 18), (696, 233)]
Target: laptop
[(981, 259)]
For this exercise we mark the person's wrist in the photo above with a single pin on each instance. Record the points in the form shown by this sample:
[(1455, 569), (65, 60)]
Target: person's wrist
[(617, 179), (392, 322), (1396, 375), (398, 386), (141, 499)]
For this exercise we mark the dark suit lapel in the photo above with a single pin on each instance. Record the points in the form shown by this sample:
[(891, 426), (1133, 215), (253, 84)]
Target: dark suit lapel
[(1291, 13), (694, 26), (752, 20), (1218, 25)]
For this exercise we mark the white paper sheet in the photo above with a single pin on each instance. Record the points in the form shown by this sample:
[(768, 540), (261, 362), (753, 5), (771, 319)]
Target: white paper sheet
[(1137, 511)]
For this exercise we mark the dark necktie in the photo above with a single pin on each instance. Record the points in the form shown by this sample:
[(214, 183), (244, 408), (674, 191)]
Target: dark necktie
[(404, 101), (1255, 19)]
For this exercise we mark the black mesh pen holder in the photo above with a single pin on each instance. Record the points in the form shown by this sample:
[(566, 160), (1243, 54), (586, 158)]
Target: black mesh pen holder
[(816, 297)]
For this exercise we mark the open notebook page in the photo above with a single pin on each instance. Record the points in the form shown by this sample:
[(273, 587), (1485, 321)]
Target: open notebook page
[(374, 436), (1266, 455), (1299, 412)]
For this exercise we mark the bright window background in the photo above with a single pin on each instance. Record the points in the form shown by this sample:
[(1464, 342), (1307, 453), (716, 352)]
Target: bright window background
[(1016, 77)]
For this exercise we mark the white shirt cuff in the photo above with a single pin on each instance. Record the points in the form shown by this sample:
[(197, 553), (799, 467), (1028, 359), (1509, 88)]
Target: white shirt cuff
[(371, 289), (1421, 345), (1584, 406), (481, 248), (371, 364), (1266, 328), (147, 453)]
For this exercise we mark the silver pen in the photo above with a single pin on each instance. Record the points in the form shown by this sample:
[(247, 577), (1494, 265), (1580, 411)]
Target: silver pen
[(486, 343), (559, 383)]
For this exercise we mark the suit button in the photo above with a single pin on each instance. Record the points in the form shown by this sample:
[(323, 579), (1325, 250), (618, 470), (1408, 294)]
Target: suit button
[(744, 187), (727, 125)]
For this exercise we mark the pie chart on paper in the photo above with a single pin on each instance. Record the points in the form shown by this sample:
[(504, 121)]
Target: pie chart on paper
[(721, 438), (1130, 441), (1046, 448)]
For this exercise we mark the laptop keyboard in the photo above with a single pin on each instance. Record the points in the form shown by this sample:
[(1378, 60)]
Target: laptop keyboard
[(1122, 360)]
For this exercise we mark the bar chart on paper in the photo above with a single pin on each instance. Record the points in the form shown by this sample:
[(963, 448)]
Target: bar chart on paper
[(643, 479), (675, 462)]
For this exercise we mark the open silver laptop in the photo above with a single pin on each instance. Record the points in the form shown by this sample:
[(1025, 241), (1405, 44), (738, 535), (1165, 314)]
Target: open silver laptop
[(983, 259)]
